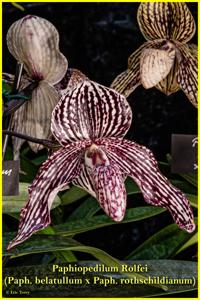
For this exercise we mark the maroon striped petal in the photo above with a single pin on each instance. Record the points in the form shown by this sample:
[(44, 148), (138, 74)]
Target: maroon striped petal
[(107, 181), (61, 168), (90, 111), (84, 181), (139, 163), (110, 190), (170, 20), (34, 42)]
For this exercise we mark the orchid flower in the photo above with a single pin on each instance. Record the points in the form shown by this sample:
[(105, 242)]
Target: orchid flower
[(90, 122), (165, 61), (34, 41)]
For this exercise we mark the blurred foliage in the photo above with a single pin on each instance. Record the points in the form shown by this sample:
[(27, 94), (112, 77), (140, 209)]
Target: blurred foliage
[(18, 6)]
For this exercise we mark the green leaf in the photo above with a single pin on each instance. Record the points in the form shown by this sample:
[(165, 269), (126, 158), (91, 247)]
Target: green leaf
[(86, 224), (14, 204), (131, 187), (72, 195), (39, 160), (193, 240), (65, 256), (193, 200), (184, 186), (36, 244), (191, 178), (156, 268), (86, 210), (29, 169), (62, 256), (163, 244), (41, 244), (79, 226), (18, 6), (6, 87), (8, 154)]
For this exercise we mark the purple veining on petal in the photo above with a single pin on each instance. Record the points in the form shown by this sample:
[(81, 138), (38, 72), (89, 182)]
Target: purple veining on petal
[(90, 123), (104, 113), (28, 17), (108, 182), (139, 163)]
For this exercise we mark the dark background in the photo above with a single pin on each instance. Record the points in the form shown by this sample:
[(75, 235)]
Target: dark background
[(97, 38)]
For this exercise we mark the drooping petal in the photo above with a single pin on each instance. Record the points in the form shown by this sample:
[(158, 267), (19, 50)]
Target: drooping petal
[(71, 79), (155, 64), (169, 84), (90, 111), (126, 82), (187, 73), (84, 181), (106, 181), (34, 117), (61, 168), (139, 163), (167, 20), (110, 190), (34, 41)]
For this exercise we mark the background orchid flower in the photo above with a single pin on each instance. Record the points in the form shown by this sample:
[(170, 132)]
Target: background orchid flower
[(90, 123), (165, 61), (71, 79), (34, 41)]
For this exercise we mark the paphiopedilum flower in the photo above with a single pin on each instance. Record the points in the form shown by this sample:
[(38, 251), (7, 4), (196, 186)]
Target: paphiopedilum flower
[(90, 122), (34, 42), (165, 61)]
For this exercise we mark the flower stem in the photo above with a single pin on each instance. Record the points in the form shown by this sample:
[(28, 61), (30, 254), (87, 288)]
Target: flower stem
[(47, 143)]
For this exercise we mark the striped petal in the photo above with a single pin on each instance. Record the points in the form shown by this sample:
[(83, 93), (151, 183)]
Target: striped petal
[(90, 111), (155, 64), (85, 182), (108, 182), (126, 82), (70, 81), (139, 163), (60, 169), (110, 190), (34, 41), (167, 20), (169, 84), (34, 117), (187, 73)]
